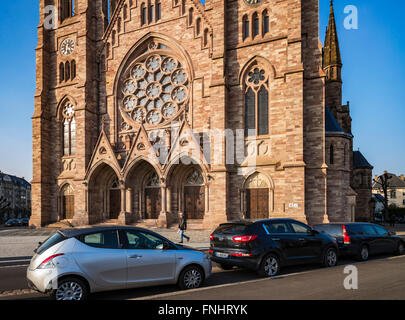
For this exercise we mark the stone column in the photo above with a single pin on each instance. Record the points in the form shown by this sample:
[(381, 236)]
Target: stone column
[(122, 219), (129, 209), (162, 221)]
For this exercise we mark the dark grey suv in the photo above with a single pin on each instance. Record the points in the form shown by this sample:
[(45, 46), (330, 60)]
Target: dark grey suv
[(267, 245)]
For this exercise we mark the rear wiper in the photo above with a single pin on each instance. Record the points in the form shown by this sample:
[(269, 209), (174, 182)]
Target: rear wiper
[(39, 244)]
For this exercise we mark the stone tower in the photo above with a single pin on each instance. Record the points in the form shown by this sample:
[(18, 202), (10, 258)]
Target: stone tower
[(66, 107)]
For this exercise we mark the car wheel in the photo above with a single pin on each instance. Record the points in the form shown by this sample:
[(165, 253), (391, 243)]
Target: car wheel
[(190, 278), (270, 266), (70, 289), (364, 253), (225, 266), (331, 258), (400, 249)]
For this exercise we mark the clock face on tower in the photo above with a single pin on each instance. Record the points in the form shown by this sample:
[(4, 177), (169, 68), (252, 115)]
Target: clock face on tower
[(253, 2), (67, 47)]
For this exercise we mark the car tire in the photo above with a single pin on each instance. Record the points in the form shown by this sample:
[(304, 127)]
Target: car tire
[(364, 253), (270, 266), (191, 277), (330, 258), (225, 266), (400, 248), (70, 288)]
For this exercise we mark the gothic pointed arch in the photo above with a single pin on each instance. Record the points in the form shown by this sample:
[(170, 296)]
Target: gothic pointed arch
[(256, 79), (141, 149), (185, 149), (66, 115), (103, 153), (67, 202), (257, 196)]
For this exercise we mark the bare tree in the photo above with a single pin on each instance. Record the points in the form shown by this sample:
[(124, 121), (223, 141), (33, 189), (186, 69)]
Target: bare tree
[(383, 184)]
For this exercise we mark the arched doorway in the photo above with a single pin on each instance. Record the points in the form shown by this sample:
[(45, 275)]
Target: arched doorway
[(153, 202), (67, 202), (115, 199), (194, 195), (104, 196), (145, 195), (257, 188)]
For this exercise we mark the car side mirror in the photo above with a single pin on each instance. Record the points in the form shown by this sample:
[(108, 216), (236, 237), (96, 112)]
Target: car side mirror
[(166, 245), (313, 232)]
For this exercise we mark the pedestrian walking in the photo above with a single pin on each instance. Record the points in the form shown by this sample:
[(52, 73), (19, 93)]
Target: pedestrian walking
[(183, 227)]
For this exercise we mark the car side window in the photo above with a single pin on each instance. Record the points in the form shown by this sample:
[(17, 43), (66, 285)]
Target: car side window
[(299, 228), (106, 239), (277, 227), (369, 230), (142, 240), (381, 231)]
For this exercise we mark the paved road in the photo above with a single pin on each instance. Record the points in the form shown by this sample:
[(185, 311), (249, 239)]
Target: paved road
[(377, 280), (382, 277)]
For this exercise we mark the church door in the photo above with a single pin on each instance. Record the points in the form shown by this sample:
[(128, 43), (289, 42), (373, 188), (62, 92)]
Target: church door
[(194, 198), (115, 203), (153, 205), (68, 203), (68, 207), (153, 202), (257, 203), (115, 199)]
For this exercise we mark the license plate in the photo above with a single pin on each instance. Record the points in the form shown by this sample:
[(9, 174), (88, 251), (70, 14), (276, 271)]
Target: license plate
[(221, 255)]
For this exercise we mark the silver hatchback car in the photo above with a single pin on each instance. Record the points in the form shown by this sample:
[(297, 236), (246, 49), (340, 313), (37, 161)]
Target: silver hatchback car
[(73, 263)]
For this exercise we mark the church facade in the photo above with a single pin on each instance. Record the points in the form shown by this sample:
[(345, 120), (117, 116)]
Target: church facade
[(223, 110)]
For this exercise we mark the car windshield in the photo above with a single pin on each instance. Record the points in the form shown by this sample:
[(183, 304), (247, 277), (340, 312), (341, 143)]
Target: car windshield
[(50, 242)]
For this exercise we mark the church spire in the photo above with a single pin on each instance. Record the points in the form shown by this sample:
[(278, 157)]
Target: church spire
[(332, 61)]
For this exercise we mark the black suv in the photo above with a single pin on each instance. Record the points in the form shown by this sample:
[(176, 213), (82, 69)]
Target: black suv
[(362, 239), (267, 245)]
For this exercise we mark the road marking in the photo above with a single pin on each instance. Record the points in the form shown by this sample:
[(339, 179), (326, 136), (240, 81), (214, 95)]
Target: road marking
[(163, 295)]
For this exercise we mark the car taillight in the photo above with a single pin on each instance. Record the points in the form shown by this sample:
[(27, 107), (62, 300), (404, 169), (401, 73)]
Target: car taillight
[(244, 239), (212, 237), (47, 263), (241, 254), (346, 238)]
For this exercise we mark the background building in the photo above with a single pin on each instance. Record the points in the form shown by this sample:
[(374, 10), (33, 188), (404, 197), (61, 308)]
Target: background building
[(16, 195), (115, 76), (396, 190)]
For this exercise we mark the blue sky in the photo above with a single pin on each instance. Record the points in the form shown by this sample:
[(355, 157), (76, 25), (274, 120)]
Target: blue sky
[(373, 58)]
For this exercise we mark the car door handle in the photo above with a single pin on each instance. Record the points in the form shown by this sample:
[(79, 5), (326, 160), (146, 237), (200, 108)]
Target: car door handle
[(301, 239), (135, 256), (275, 239)]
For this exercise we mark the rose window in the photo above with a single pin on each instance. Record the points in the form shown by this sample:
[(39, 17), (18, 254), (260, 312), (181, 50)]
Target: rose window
[(256, 76), (155, 91), (68, 111)]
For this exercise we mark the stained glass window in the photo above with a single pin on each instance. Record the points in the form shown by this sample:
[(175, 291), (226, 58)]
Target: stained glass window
[(69, 129), (156, 89), (256, 102)]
